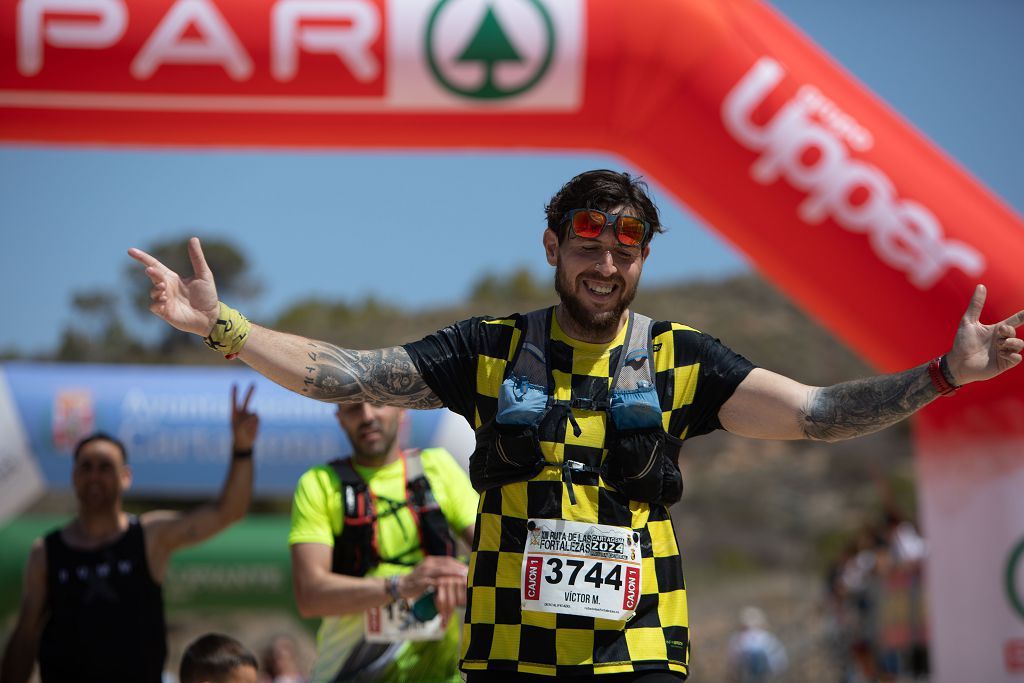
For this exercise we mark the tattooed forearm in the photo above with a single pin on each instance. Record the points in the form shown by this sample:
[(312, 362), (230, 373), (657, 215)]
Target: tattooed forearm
[(863, 406), (381, 377)]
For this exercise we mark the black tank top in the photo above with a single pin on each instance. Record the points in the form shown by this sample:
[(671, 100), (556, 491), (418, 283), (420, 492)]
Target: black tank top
[(106, 622)]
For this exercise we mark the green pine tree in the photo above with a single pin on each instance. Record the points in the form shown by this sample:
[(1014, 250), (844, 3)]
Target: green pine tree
[(489, 46)]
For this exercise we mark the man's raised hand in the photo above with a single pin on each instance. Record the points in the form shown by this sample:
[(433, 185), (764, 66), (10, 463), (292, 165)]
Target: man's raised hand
[(983, 351), (189, 304), (245, 424)]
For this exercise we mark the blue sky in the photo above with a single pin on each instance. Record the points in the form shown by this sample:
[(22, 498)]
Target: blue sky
[(951, 67)]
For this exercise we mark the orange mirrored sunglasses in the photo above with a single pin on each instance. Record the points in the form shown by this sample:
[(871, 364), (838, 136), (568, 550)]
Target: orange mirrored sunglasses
[(590, 223)]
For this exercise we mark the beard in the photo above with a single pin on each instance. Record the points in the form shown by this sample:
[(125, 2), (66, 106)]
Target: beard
[(376, 451), (597, 323)]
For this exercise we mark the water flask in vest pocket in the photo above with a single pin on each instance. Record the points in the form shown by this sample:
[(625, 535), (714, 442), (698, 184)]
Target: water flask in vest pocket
[(636, 408), (642, 465), (520, 403), (508, 449)]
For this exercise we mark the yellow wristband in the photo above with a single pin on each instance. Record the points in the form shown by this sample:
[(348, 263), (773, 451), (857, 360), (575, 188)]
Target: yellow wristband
[(229, 332)]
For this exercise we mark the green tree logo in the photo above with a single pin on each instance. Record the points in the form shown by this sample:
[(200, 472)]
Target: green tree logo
[(1012, 589), (488, 46)]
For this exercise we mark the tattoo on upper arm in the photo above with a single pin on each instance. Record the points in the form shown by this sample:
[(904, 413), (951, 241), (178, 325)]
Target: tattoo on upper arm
[(867, 405), (381, 376)]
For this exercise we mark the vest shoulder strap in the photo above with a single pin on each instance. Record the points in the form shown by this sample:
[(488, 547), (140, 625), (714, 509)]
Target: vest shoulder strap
[(355, 502), (636, 362), (530, 359), (417, 485), (346, 472), (413, 466)]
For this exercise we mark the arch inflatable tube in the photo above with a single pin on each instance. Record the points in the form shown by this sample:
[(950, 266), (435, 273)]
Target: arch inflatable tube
[(838, 201)]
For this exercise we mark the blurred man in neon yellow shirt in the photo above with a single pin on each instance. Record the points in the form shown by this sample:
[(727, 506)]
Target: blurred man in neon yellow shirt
[(373, 554)]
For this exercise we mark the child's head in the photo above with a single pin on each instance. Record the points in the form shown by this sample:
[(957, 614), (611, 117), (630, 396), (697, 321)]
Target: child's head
[(217, 658)]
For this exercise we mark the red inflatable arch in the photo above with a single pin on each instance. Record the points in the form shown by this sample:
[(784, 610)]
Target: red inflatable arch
[(835, 198)]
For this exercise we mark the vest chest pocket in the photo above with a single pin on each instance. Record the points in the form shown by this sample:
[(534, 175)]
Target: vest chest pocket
[(643, 460), (504, 454), (643, 465), (508, 448)]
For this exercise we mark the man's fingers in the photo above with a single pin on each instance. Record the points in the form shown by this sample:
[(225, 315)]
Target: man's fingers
[(441, 597), (441, 565), (248, 395), (1009, 360), (444, 599), (195, 255), (449, 566), (156, 274), (973, 313), (1013, 345), (459, 593), (155, 271), (1015, 320), (144, 258), (443, 603), (234, 398)]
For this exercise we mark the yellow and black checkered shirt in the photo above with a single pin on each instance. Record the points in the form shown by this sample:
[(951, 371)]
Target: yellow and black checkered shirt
[(464, 365)]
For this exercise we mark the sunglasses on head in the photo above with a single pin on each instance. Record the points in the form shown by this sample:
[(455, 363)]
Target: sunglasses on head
[(590, 223)]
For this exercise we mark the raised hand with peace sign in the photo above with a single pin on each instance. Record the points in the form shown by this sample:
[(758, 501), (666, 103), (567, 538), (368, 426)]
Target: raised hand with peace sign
[(244, 423)]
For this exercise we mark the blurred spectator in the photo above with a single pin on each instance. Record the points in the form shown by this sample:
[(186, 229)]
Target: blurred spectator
[(92, 606), (755, 655), (908, 547), (839, 617), (281, 662), (876, 603), (373, 535), (217, 658), (859, 582)]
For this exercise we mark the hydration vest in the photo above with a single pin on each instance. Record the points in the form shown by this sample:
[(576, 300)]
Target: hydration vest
[(642, 459), (356, 549)]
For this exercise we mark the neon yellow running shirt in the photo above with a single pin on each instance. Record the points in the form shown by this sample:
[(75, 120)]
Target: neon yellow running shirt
[(317, 518)]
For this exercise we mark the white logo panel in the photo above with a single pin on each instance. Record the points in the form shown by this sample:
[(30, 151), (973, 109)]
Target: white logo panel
[(487, 54)]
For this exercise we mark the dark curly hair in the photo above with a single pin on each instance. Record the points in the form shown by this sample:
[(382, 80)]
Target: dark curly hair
[(603, 190)]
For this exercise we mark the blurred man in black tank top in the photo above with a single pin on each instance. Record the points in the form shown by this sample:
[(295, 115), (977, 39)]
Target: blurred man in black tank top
[(92, 605)]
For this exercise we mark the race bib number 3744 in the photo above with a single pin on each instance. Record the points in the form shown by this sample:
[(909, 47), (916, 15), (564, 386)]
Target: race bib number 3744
[(590, 570)]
